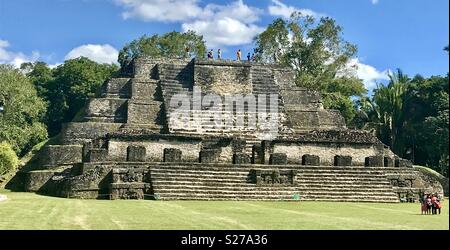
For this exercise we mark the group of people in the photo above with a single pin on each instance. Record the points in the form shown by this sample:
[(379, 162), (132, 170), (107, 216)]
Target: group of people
[(250, 57), (431, 204)]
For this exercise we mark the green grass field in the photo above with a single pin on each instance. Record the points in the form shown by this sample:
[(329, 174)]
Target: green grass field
[(31, 211)]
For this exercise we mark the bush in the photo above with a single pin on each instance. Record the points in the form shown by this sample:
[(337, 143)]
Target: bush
[(8, 158)]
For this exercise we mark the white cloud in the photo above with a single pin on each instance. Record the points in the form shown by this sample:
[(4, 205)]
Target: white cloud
[(101, 53), (237, 10), (225, 31), (369, 74), (227, 25), (160, 10), (15, 58), (221, 25), (375, 1), (278, 8)]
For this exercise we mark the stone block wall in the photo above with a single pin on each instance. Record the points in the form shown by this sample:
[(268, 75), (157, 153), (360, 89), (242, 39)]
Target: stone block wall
[(81, 132), (116, 87), (106, 110), (222, 77), (144, 112), (53, 156), (117, 150), (325, 151)]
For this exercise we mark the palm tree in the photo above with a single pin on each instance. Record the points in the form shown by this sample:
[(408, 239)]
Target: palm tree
[(389, 102)]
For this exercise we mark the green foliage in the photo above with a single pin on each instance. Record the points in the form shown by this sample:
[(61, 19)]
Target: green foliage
[(40, 75), (8, 158), (21, 121), (269, 44), (412, 116), (67, 87), (172, 44), (318, 54)]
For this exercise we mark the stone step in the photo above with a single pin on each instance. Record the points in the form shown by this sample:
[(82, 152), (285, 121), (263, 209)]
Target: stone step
[(205, 172), (225, 167), (176, 196), (341, 182), (255, 188), (241, 170), (258, 193), (247, 184), (243, 178), (303, 170)]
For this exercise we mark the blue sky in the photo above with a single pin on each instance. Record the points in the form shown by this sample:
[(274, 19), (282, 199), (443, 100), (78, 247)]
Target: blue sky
[(406, 34)]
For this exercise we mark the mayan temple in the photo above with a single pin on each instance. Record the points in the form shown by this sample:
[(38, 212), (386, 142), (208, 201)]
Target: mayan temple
[(127, 143)]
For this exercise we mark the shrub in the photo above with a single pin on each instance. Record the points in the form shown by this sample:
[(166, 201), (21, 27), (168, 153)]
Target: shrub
[(8, 158)]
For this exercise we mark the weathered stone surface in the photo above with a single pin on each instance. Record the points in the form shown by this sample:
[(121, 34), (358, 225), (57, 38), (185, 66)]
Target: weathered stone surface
[(172, 155), (223, 78), (136, 153), (144, 89), (52, 156), (36, 180), (97, 155), (209, 156), (311, 160), (342, 160), (388, 162), (274, 177), (241, 158), (143, 112), (129, 191), (105, 110), (374, 161), (278, 159), (116, 87), (81, 132), (402, 163)]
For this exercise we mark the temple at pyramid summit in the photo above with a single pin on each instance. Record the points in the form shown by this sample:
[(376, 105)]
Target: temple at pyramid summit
[(151, 134)]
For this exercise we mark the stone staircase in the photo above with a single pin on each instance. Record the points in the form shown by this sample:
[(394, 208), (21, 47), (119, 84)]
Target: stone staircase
[(345, 184), (218, 182)]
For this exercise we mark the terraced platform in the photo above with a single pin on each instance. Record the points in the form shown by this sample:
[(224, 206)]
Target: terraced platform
[(312, 183)]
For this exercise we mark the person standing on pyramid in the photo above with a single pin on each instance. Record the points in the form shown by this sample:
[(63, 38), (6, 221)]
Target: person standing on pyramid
[(219, 54), (239, 55)]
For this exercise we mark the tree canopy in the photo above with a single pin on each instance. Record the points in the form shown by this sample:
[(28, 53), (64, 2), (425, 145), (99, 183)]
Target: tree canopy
[(21, 123), (412, 117), (172, 44), (320, 56)]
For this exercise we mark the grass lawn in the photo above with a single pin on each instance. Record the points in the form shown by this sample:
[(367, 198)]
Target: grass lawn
[(31, 211)]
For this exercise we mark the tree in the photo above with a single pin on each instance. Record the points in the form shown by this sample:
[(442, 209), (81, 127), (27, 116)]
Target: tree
[(72, 84), (40, 75), (172, 44), (272, 42), (426, 127), (8, 158), (412, 116), (21, 120), (319, 55)]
